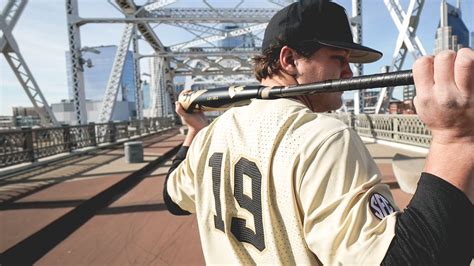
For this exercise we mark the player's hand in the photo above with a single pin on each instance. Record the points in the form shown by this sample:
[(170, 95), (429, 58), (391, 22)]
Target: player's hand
[(195, 121), (445, 95)]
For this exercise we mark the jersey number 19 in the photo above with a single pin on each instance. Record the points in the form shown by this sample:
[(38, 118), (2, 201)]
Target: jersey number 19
[(253, 204)]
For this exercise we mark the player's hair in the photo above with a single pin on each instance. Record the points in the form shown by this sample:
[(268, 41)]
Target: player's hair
[(268, 63)]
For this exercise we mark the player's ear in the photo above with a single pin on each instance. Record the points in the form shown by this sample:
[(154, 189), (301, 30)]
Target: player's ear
[(288, 58)]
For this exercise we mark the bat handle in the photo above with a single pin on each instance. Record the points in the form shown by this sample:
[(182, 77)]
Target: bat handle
[(217, 99)]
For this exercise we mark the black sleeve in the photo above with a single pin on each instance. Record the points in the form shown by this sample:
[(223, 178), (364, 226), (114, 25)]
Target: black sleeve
[(437, 227), (170, 205)]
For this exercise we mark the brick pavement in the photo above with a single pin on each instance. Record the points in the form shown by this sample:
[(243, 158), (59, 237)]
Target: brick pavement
[(135, 229), (26, 221)]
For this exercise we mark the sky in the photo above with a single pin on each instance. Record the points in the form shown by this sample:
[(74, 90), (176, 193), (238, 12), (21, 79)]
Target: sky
[(41, 34)]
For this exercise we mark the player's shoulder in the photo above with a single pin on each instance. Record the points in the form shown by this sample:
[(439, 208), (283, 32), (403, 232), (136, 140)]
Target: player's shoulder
[(289, 116), (332, 122), (311, 123)]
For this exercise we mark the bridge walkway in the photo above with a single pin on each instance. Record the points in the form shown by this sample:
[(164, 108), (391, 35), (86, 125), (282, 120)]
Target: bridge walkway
[(101, 210)]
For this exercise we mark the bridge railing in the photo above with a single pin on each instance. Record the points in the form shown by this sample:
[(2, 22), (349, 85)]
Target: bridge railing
[(29, 145), (406, 129)]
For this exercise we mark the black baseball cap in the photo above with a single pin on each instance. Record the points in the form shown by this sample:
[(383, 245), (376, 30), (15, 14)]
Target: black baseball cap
[(318, 21)]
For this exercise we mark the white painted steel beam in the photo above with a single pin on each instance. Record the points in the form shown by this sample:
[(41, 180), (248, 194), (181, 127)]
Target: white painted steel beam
[(356, 21), (407, 41), (198, 72), (215, 38), (158, 4), (209, 52), (243, 15), (77, 71), (225, 80), (157, 86), (31, 88), (11, 51), (9, 16), (193, 15), (113, 85), (138, 83), (162, 90), (230, 65), (130, 10)]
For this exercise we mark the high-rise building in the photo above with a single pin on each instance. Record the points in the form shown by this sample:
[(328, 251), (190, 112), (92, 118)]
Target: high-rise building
[(452, 33), (97, 64)]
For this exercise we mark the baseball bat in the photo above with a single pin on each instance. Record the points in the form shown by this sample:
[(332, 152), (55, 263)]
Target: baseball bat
[(225, 97)]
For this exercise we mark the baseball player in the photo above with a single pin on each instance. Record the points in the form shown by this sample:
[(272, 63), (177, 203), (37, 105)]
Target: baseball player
[(278, 182)]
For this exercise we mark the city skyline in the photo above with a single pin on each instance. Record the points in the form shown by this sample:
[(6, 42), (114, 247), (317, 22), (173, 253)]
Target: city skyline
[(44, 42)]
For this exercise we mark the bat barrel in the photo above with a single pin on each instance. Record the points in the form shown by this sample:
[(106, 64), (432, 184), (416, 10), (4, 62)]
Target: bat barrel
[(400, 78)]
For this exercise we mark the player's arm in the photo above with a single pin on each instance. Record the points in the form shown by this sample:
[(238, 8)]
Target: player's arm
[(445, 103), (195, 122), (348, 215), (342, 185), (436, 228), (170, 205)]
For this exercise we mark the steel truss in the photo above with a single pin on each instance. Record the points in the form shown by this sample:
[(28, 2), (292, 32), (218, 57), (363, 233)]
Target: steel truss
[(183, 59), (113, 84), (164, 95), (190, 15), (211, 61), (356, 21), (76, 62), (407, 41), (223, 81), (11, 51), (158, 106), (218, 37), (138, 83)]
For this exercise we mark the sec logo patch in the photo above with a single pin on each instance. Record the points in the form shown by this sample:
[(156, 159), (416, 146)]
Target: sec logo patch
[(380, 206)]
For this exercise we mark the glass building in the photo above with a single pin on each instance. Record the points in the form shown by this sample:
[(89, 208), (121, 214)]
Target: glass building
[(452, 33), (146, 95), (98, 63)]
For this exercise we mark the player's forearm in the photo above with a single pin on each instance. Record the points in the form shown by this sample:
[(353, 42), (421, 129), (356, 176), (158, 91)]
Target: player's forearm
[(190, 137), (453, 162), (170, 205), (435, 228)]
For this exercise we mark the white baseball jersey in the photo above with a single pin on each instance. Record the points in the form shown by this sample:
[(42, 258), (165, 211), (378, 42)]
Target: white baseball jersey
[(275, 183)]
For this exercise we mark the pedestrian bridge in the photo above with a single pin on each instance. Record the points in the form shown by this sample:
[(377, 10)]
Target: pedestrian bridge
[(68, 196)]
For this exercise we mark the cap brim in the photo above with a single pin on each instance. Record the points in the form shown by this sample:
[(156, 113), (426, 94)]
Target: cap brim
[(358, 53)]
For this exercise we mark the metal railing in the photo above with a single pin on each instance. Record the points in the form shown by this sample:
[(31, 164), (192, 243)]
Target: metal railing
[(29, 145), (406, 129)]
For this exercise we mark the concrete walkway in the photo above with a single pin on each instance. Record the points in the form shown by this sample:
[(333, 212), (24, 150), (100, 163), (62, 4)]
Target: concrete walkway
[(383, 156)]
